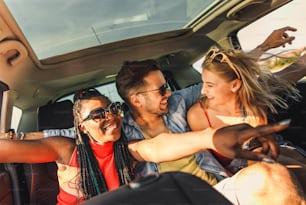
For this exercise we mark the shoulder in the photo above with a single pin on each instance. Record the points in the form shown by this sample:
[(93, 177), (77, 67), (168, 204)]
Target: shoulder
[(194, 111), (196, 117)]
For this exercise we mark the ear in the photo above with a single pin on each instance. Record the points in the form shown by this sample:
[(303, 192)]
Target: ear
[(236, 85), (135, 100), (82, 128)]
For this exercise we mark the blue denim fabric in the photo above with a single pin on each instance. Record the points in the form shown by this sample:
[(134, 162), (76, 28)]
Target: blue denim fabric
[(59, 132), (175, 120)]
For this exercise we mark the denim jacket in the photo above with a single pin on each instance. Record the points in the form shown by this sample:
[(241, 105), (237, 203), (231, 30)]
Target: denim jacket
[(175, 120)]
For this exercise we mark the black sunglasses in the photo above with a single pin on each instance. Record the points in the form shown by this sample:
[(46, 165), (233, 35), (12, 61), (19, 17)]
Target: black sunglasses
[(85, 94), (162, 90), (100, 113)]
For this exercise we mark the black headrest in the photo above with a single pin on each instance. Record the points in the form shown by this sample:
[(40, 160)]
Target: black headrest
[(56, 115)]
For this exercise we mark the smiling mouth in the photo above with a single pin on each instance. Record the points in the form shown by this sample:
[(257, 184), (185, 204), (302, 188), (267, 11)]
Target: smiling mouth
[(110, 126)]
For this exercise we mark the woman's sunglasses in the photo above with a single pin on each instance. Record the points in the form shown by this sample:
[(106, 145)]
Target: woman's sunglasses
[(219, 56), (162, 90), (100, 113)]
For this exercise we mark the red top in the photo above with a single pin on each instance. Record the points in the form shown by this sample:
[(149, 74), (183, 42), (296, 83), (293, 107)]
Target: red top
[(222, 159), (69, 174)]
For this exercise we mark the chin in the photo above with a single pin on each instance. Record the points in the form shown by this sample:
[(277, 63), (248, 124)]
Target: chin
[(164, 111)]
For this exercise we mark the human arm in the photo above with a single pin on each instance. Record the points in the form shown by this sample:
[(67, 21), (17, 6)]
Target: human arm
[(295, 71), (41, 134), (227, 141), (23, 136), (277, 38), (36, 151)]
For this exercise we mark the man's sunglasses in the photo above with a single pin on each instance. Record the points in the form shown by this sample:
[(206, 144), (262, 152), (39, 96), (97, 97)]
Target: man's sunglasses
[(221, 57), (85, 94), (100, 113), (162, 90)]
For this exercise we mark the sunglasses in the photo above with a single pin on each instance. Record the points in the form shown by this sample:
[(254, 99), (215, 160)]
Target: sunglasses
[(162, 90), (100, 113), (221, 57), (85, 94)]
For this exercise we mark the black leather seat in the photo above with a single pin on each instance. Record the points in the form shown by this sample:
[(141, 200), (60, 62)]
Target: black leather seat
[(42, 178)]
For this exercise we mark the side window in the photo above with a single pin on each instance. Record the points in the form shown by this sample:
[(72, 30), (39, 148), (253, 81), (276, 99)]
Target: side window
[(256, 32), (16, 116)]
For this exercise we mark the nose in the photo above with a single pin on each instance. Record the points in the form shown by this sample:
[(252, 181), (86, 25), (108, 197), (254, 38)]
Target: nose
[(168, 93), (203, 90)]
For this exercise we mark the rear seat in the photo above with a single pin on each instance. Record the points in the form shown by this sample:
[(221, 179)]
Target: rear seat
[(42, 178)]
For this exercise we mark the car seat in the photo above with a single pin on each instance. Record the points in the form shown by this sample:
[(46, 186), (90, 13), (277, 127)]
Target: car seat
[(42, 178), (163, 189)]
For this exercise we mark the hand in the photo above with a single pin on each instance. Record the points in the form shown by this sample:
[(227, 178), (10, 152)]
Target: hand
[(229, 140), (278, 38)]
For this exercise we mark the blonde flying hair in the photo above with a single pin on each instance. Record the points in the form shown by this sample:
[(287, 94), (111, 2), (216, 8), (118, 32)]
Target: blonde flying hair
[(260, 91)]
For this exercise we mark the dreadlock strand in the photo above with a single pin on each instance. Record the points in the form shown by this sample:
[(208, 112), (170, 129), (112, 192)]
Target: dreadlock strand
[(92, 181)]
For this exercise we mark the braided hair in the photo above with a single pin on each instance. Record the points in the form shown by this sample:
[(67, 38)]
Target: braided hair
[(92, 180)]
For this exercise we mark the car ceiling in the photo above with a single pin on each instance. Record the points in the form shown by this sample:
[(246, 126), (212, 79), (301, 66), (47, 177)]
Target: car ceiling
[(37, 82)]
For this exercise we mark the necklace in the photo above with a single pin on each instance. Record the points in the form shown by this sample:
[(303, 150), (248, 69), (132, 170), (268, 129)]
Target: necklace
[(244, 113)]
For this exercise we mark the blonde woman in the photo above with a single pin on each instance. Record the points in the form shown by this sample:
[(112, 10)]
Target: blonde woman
[(236, 90)]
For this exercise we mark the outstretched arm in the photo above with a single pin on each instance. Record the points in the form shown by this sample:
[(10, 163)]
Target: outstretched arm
[(276, 39), (295, 71), (227, 141), (22, 136), (36, 151), (38, 135)]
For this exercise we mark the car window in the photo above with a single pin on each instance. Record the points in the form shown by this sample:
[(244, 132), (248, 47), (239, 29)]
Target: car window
[(291, 14), (16, 116), (109, 21)]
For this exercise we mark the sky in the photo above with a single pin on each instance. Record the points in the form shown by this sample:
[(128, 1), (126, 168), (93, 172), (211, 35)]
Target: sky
[(292, 14)]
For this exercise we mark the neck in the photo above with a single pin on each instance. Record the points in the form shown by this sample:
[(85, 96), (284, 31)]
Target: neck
[(230, 108), (150, 124)]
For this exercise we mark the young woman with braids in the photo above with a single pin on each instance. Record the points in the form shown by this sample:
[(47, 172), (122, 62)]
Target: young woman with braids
[(99, 160)]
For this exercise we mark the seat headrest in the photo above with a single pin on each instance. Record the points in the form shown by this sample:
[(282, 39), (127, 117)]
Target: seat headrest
[(56, 115)]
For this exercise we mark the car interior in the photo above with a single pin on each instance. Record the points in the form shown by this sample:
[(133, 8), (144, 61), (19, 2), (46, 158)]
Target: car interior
[(45, 57)]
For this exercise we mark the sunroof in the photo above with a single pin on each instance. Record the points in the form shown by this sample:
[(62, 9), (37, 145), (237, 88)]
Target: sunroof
[(57, 27)]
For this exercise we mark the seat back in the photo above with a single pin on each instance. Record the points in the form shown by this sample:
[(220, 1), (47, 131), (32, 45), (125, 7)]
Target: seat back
[(166, 188), (42, 178), (55, 116)]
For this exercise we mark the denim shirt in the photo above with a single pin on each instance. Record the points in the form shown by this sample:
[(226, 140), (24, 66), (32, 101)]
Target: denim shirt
[(175, 120)]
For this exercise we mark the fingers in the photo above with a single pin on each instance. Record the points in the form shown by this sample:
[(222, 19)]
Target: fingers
[(272, 128), (228, 140), (265, 135), (274, 150), (255, 156), (288, 28), (285, 37), (262, 131)]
